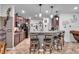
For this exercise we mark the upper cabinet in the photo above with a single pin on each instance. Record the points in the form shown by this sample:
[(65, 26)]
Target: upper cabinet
[(55, 22)]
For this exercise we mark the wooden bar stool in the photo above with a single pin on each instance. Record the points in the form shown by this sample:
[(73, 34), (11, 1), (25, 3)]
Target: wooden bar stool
[(47, 42), (55, 43), (61, 40), (58, 41), (34, 43)]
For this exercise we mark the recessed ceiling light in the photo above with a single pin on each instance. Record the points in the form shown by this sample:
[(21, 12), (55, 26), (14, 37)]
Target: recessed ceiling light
[(46, 11), (75, 8), (23, 11)]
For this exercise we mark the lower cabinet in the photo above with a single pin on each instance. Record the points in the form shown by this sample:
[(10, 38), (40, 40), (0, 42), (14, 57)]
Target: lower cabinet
[(19, 37), (22, 36), (16, 38)]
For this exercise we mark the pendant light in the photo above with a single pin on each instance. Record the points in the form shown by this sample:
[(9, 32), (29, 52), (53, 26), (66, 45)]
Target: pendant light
[(51, 15), (40, 14)]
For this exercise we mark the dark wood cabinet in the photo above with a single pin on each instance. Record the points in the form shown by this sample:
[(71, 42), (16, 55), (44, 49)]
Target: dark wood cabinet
[(19, 37), (55, 22), (22, 36), (16, 38)]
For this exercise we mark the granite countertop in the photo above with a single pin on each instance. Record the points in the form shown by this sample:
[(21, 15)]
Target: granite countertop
[(17, 32), (47, 31)]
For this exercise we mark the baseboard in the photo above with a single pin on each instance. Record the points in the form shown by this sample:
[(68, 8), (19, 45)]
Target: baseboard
[(10, 48)]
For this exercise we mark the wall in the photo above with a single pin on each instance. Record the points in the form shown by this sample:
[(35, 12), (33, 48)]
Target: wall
[(36, 21), (46, 24), (0, 10), (0, 22), (34, 24), (71, 25), (0, 17)]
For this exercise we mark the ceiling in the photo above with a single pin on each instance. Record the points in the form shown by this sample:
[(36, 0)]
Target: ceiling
[(32, 9)]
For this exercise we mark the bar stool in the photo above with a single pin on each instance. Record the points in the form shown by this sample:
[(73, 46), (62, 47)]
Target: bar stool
[(58, 41), (55, 43), (47, 42), (62, 37), (61, 40), (34, 43)]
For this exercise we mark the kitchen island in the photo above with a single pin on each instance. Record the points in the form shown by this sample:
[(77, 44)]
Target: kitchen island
[(41, 35)]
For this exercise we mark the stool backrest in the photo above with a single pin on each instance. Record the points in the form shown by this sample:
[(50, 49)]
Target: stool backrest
[(61, 34), (48, 35), (33, 35)]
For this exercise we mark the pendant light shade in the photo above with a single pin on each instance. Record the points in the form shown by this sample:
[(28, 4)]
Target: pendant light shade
[(51, 15), (40, 14)]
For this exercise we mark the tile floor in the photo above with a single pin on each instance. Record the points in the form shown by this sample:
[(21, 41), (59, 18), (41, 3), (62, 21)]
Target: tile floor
[(23, 48)]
